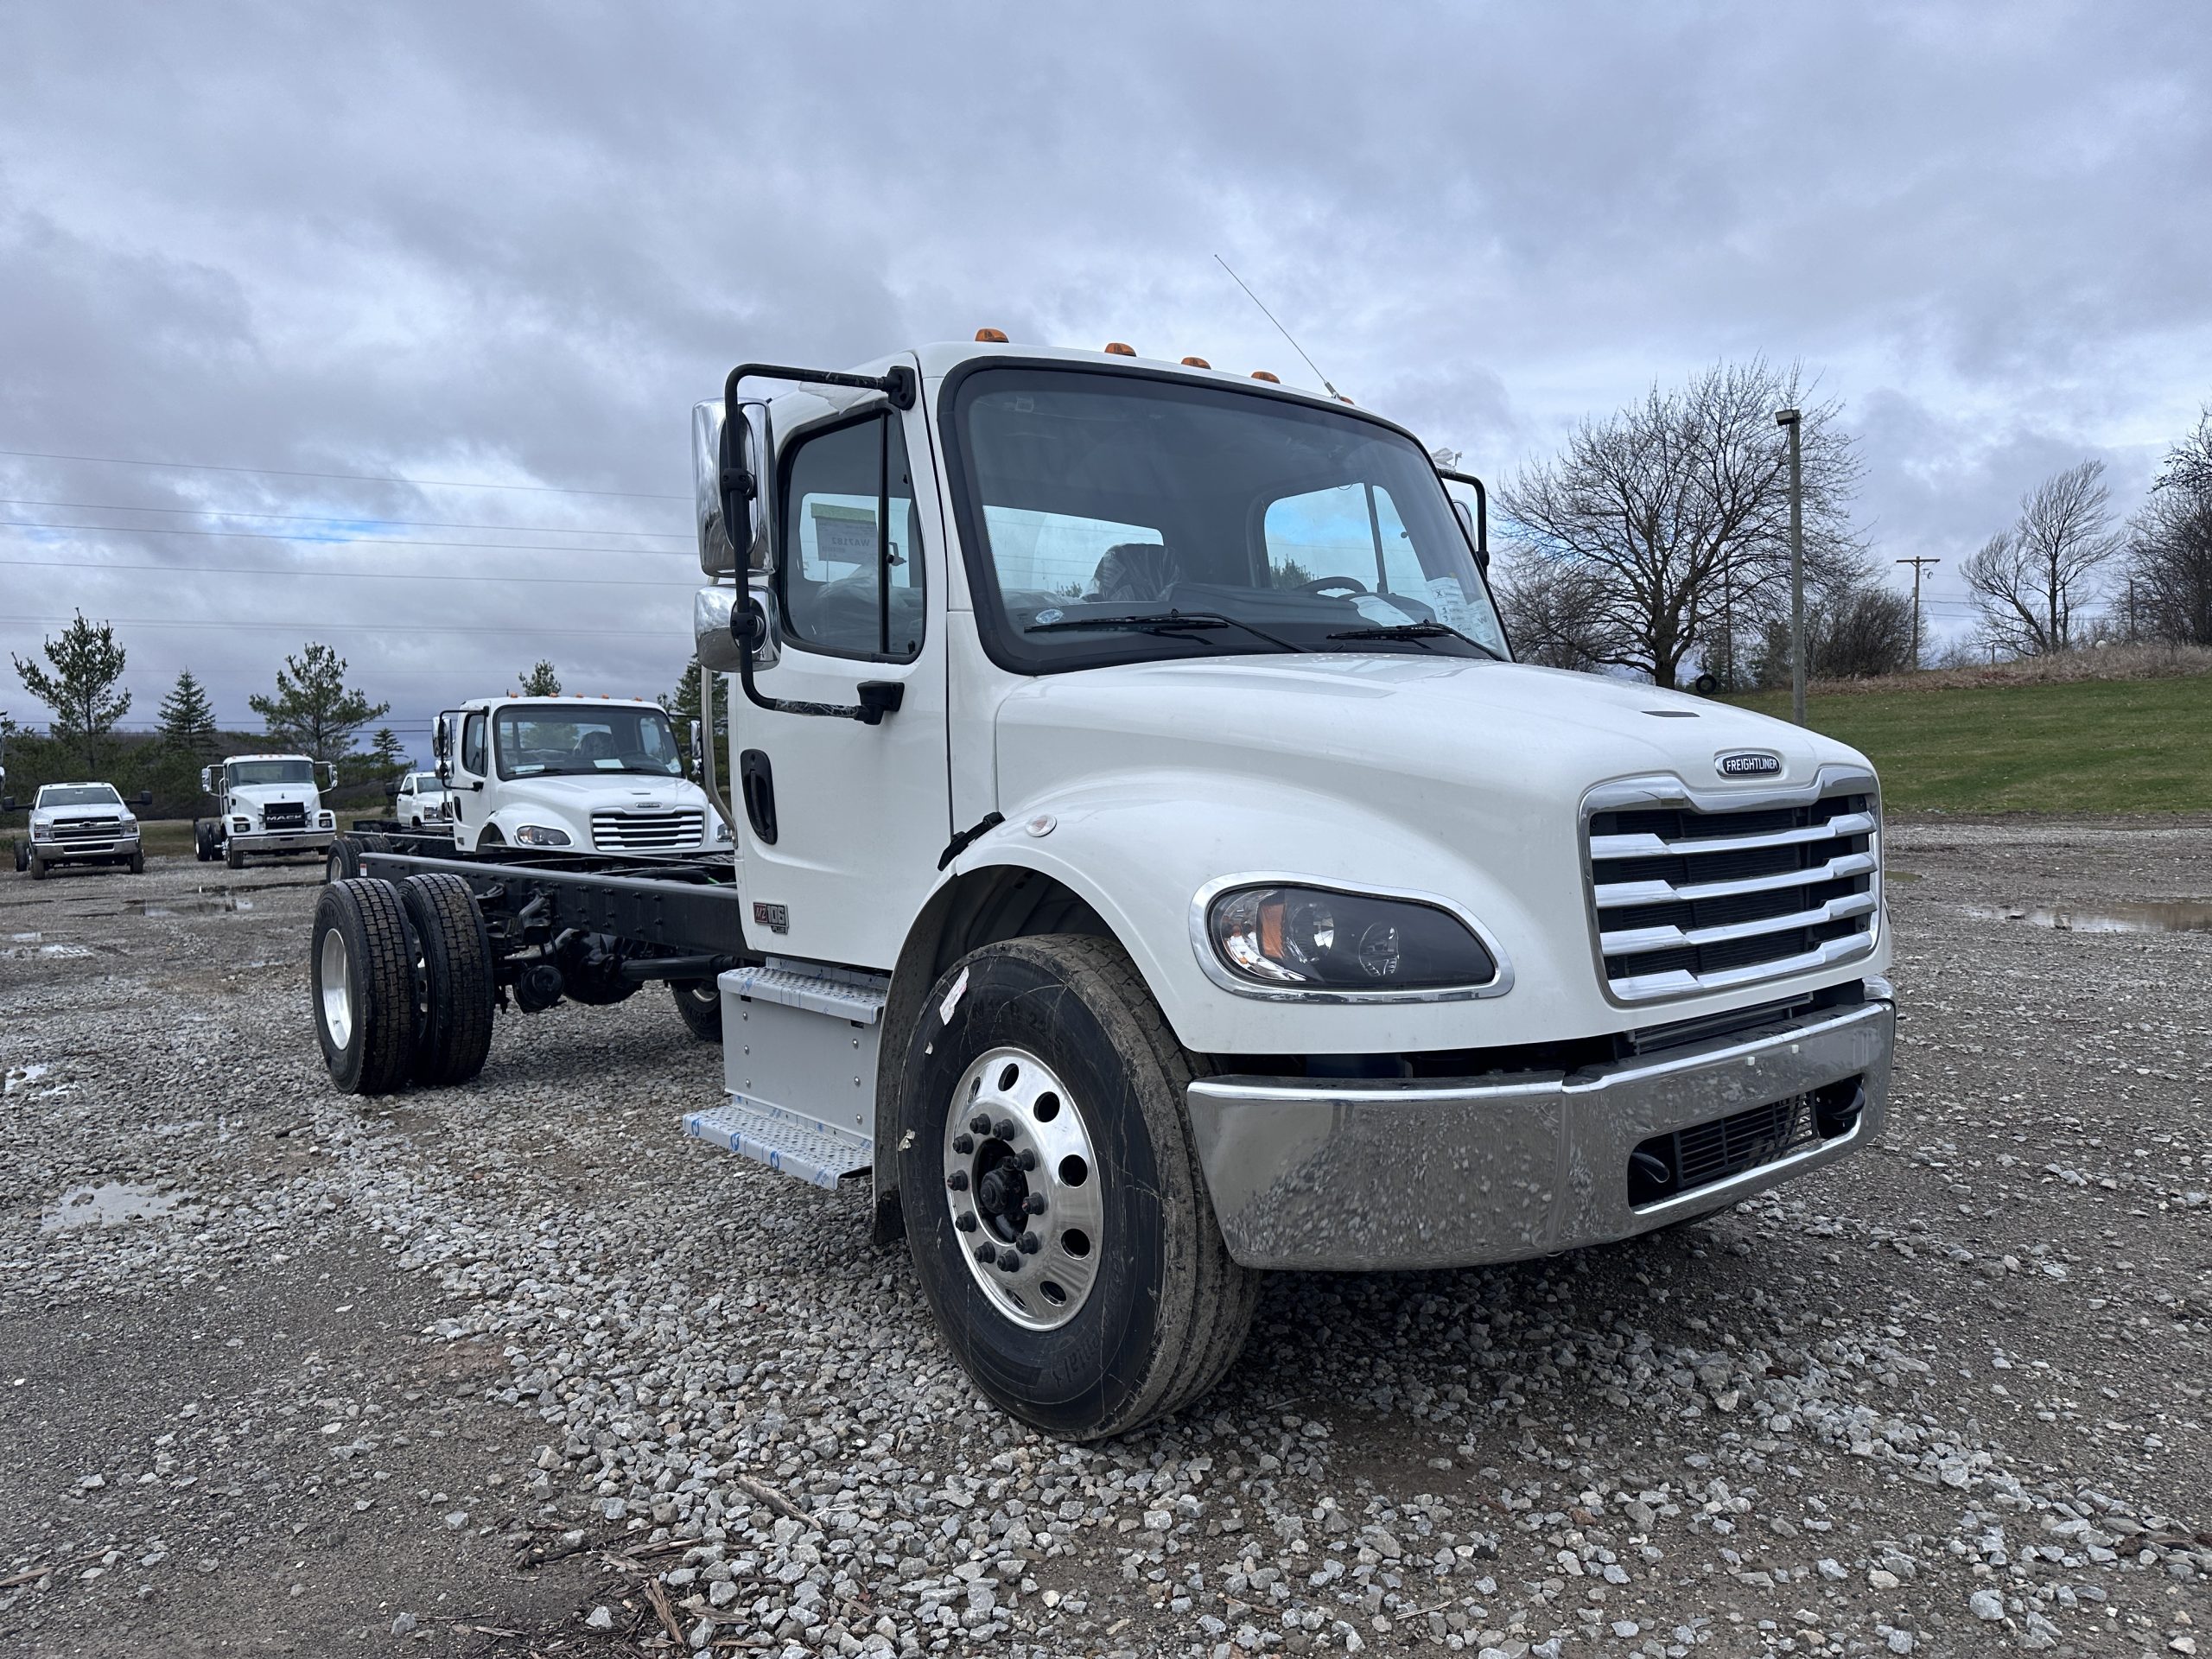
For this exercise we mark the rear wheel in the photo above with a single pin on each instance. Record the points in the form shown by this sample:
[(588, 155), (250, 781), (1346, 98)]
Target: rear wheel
[(23, 857), (344, 860), (700, 1002), (455, 988), (361, 978), (1053, 1201)]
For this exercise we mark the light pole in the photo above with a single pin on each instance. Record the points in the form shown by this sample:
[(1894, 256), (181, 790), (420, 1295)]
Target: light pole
[(1789, 418)]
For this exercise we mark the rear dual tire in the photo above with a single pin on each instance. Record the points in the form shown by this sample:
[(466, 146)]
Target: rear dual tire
[(1165, 1310), (401, 979)]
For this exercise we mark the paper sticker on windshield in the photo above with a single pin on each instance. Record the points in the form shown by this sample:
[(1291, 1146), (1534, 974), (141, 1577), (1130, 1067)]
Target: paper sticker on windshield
[(952, 999), (1451, 601)]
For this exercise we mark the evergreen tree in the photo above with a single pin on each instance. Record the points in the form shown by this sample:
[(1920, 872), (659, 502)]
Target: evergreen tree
[(188, 719), (386, 757), (314, 710), (541, 681), (81, 689)]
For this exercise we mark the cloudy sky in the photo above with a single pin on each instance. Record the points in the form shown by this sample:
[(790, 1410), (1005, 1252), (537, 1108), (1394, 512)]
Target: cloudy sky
[(292, 252)]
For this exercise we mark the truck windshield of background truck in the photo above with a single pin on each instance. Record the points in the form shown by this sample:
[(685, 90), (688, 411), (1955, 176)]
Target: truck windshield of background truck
[(539, 739), (79, 795), (1088, 495), (268, 772)]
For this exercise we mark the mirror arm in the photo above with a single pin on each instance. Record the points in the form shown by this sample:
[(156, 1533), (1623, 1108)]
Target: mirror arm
[(878, 697), (1482, 513)]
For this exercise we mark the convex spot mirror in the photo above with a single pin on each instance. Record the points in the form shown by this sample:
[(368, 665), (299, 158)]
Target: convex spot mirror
[(729, 467), (719, 614)]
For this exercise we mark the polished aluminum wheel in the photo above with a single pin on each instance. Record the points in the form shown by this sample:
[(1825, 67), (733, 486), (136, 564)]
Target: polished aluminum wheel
[(1023, 1182), (336, 974)]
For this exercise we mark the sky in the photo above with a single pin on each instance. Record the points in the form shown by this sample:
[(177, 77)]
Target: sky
[(293, 253)]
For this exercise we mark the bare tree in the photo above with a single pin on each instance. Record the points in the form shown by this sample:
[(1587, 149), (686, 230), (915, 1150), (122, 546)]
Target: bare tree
[(2029, 580), (1857, 627), (1674, 513), (2170, 548), (1552, 613)]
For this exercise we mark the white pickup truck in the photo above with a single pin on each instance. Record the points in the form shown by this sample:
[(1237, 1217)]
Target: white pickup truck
[(80, 823), (264, 804), (421, 801), (1152, 870)]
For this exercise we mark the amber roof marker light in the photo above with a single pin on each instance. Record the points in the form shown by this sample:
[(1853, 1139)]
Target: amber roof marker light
[(990, 336), (1280, 329), (1115, 348), (1272, 380), (1196, 363)]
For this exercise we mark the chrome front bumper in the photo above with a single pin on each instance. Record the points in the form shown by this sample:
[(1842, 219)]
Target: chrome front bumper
[(60, 852), (1321, 1173)]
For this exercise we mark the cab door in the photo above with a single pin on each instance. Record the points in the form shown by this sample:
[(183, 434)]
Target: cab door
[(843, 821)]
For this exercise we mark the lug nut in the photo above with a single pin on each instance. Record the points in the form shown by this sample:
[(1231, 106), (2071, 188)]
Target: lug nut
[(980, 1124), (1027, 1158), (1003, 1129), (963, 1143), (1036, 1204), (964, 1221), (986, 1255), (1031, 1245), (957, 1180), (1008, 1261)]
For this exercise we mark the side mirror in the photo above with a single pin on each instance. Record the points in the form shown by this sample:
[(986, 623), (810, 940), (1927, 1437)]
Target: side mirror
[(698, 748), (145, 798), (728, 472), (207, 780), (392, 791), (710, 634), (7, 804), (756, 624), (330, 774)]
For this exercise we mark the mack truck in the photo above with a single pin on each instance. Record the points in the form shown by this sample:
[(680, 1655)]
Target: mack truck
[(1151, 869), (265, 804)]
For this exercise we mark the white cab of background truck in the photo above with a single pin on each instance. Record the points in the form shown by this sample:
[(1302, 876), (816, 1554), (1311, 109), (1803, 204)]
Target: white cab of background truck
[(570, 773), (265, 804), (1161, 871)]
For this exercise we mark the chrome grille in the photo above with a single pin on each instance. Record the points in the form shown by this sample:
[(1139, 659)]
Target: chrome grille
[(87, 829), (1685, 900), (647, 832), (284, 815)]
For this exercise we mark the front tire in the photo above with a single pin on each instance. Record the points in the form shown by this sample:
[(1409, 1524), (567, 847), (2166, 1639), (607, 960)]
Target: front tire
[(1055, 1038), (37, 865), (361, 983), (138, 862), (700, 1002), (233, 856)]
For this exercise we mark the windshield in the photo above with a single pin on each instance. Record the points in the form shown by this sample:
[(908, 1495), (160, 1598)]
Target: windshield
[(270, 772), (538, 740), (80, 795), (1127, 517)]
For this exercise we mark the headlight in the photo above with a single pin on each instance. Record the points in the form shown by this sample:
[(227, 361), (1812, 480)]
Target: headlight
[(721, 830), (242, 825), (41, 826), (540, 835), (1310, 939), (328, 821)]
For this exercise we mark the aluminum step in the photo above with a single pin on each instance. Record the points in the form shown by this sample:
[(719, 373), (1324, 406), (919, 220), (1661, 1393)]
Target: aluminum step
[(845, 996), (816, 1153)]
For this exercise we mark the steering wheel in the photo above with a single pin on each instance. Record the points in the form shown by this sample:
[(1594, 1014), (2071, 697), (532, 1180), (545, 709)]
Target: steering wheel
[(1322, 584)]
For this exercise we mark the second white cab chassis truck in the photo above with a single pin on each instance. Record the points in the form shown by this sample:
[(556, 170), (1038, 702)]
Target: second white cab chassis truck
[(1151, 869)]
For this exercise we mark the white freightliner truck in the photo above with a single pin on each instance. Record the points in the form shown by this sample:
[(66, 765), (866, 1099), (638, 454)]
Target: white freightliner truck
[(265, 804), (1151, 869)]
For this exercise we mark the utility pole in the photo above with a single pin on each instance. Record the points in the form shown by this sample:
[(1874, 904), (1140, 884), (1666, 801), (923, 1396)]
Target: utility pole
[(1916, 564), (1790, 419)]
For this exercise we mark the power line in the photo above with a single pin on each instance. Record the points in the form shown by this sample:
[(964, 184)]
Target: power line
[(359, 478), (323, 626), (349, 541), (324, 518), (359, 576)]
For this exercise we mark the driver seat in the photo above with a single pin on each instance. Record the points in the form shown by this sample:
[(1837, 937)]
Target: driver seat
[(1135, 572)]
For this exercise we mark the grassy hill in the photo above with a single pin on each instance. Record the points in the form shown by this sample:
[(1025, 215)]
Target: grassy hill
[(2084, 745)]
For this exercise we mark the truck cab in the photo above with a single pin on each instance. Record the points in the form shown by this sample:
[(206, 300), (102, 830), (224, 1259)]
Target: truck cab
[(265, 805), (571, 774), (80, 824)]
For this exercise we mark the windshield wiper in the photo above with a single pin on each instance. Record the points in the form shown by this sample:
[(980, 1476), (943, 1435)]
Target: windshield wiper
[(1418, 632), (1170, 623)]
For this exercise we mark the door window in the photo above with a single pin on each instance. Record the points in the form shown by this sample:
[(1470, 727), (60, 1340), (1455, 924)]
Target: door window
[(472, 745), (852, 574)]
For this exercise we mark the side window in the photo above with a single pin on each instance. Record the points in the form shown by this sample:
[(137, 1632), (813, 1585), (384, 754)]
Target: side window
[(852, 563), (1352, 530), (471, 747)]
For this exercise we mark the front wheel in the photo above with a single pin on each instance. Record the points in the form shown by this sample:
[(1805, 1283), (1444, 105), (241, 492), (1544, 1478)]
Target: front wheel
[(138, 862), (233, 856), (700, 1003), (36, 866), (1054, 1205)]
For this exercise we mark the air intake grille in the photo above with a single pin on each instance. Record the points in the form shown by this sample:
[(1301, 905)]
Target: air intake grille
[(284, 815), (1687, 901), (647, 832), (87, 829)]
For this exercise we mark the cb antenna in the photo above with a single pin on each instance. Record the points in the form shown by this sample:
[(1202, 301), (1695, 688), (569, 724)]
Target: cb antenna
[(1280, 329)]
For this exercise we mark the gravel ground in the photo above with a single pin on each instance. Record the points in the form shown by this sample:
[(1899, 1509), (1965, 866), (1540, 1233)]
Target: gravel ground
[(513, 1369)]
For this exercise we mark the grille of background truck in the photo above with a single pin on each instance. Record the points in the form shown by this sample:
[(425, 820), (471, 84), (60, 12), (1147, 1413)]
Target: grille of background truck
[(1687, 901), (284, 815), (87, 829), (646, 832)]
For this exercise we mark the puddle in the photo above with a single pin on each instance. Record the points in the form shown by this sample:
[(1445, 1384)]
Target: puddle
[(207, 901), (109, 1204), (2154, 916), (1901, 875), (23, 1076), (49, 952), (25, 938)]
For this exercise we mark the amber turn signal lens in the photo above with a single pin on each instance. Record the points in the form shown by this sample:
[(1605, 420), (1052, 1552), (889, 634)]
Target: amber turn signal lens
[(991, 336), (1115, 348), (1272, 380)]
